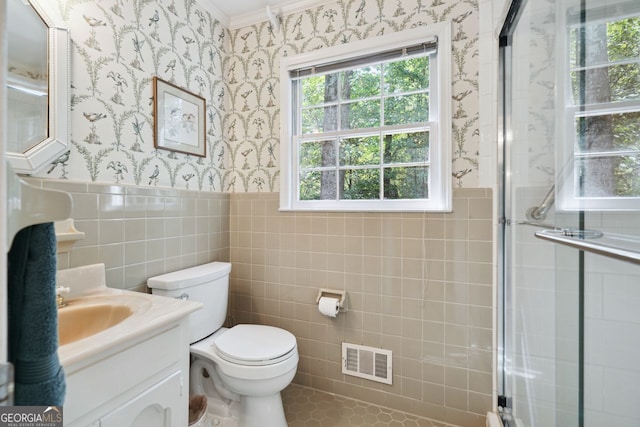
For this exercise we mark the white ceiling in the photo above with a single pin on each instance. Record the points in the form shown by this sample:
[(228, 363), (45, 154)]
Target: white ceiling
[(239, 13)]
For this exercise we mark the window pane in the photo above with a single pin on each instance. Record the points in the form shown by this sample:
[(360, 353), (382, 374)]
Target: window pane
[(613, 84), (315, 154), (608, 176), (360, 83), (317, 90), (321, 119), (623, 39), (361, 115), (406, 147), (406, 109), (359, 151), (406, 76), (360, 184), (608, 132), (406, 183), (318, 185), (622, 42)]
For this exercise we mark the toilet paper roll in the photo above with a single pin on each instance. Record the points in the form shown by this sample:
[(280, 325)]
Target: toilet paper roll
[(329, 306)]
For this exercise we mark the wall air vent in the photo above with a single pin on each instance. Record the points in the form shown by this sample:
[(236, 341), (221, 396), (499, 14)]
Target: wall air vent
[(367, 362)]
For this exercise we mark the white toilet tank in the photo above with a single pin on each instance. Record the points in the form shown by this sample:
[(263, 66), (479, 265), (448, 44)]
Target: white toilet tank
[(208, 284)]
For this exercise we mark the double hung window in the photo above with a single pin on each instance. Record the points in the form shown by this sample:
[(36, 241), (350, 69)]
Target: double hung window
[(601, 161), (366, 125)]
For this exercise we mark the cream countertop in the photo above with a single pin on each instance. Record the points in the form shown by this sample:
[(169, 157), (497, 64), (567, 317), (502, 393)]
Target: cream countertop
[(151, 313)]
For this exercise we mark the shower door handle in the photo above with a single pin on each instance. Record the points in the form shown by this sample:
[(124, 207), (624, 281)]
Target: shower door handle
[(623, 248)]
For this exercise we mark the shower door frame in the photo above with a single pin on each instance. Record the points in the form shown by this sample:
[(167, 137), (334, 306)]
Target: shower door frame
[(576, 237), (506, 289), (504, 279)]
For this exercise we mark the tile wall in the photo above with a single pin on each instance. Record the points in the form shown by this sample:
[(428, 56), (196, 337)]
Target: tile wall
[(143, 232), (612, 332), (418, 284)]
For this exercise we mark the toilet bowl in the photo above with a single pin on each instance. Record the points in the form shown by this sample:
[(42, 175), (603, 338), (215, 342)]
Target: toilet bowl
[(256, 376), (241, 370)]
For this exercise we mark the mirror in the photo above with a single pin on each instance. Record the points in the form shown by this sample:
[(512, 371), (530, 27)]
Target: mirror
[(37, 84)]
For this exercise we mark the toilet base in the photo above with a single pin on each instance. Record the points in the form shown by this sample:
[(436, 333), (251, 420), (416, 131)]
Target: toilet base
[(226, 408), (221, 414), (263, 411)]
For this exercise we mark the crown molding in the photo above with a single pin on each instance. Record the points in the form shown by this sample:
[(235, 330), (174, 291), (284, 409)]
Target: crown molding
[(293, 6)]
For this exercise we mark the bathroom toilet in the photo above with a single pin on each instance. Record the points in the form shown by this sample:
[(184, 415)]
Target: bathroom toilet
[(241, 370)]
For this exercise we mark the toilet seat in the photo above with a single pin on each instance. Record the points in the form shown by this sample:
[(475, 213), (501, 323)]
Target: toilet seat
[(239, 370), (255, 345)]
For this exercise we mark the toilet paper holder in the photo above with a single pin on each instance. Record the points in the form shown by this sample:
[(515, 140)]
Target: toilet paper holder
[(333, 293)]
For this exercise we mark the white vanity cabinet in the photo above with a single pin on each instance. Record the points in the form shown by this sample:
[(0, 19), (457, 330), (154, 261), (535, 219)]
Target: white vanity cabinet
[(138, 383), (158, 406), (134, 373)]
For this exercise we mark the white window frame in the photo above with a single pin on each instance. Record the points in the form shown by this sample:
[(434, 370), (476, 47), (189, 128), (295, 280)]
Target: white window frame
[(440, 183), (566, 155)]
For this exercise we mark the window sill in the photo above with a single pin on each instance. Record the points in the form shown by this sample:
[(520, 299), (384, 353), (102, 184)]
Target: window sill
[(367, 206)]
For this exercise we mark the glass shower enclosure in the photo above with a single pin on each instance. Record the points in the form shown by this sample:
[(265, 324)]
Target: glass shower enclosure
[(569, 294)]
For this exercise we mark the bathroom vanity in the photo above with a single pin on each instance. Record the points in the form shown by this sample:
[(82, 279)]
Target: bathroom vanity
[(133, 372)]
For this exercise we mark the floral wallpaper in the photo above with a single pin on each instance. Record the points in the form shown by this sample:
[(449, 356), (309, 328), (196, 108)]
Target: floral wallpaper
[(252, 119), (536, 111), (119, 45), (117, 48)]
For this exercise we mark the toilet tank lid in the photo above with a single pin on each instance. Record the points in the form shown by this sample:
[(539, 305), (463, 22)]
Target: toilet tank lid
[(190, 277)]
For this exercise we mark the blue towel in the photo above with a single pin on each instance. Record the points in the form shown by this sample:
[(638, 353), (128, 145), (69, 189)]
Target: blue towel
[(33, 318)]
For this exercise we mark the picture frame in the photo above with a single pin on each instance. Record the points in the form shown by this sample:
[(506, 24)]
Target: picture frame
[(178, 119)]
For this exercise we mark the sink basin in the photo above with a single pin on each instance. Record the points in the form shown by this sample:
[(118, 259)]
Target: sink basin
[(99, 322), (81, 321)]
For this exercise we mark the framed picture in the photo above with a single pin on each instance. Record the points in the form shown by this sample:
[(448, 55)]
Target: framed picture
[(179, 119)]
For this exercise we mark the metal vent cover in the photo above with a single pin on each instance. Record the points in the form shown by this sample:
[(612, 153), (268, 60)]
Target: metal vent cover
[(367, 362)]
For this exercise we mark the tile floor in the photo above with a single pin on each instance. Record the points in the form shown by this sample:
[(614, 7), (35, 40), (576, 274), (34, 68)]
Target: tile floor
[(311, 408)]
